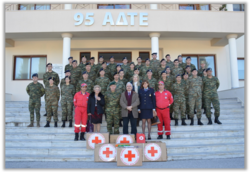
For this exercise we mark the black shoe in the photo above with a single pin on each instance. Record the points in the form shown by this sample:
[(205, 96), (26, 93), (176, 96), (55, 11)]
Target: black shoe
[(188, 117), (120, 123), (192, 121), (199, 122), (183, 122), (55, 124), (160, 137), (194, 112), (204, 111), (113, 125), (70, 123), (176, 122), (76, 136), (52, 114), (45, 114), (171, 117), (149, 138), (63, 124), (209, 121), (217, 120), (168, 136), (82, 136), (47, 125)]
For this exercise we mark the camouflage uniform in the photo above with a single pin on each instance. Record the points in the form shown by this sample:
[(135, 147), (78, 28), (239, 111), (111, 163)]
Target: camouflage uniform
[(152, 83), (182, 65), (155, 64), (50, 74), (124, 80), (67, 94), (68, 67), (94, 68), (211, 96), (179, 100), (92, 75), (112, 109), (35, 92), (195, 86), (112, 69), (52, 96), (98, 67), (139, 66), (144, 70), (76, 74), (159, 70), (175, 71), (72, 81), (90, 85), (170, 64), (200, 72), (125, 68), (103, 82), (191, 66), (129, 74), (185, 82), (82, 66)]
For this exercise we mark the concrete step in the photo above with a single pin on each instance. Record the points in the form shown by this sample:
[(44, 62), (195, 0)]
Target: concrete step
[(174, 134)]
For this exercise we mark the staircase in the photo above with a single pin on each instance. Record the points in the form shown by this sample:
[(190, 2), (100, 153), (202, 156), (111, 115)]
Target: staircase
[(187, 142)]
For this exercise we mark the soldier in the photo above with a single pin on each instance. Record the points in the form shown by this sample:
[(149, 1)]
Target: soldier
[(75, 73), (169, 86), (155, 64), (195, 96), (112, 102), (69, 66), (139, 63), (203, 67), (67, 94), (102, 81), (118, 68), (72, 81), (136, 72), (179, 100), (176, 70), (188, 71), (161, 68), (82, 65), (211, 84), (125, 65), (185, 82), (188, 62), (152, 81), (145, 68), (121, 77), (130, 72), (35, 91), (168, 61), (91, 73), (181, 63), (50, 73), (111, 67), (204, 75), (85, 79), (52, 96), (104, 67), (93, 66), (168, 83), (99, 65)]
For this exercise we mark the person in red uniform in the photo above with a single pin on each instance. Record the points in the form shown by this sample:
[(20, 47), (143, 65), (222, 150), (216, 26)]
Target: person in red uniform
[(163, 101), (81, 116)]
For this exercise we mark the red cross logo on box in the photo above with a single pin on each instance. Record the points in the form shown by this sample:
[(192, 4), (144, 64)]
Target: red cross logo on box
[(124, 139), (129, 156), (152, 151), (95, 138), (107, 152)]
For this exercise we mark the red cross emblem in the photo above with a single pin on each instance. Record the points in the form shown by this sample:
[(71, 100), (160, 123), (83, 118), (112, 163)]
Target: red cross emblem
[(152, 151), (107, 152), (96, 141), (124, 140), (129, 155)]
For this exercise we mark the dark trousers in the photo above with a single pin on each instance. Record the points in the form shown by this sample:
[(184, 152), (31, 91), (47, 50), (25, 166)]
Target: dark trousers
[(133, 123)]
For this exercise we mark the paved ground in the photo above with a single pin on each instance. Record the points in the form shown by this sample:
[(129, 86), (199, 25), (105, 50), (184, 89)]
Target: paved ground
[(211, 163)]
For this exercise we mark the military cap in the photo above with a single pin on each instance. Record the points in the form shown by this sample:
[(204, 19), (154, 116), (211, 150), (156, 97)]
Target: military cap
[(185, 73), (111, 57), (132, 63), (208, 69), (177, 75), (179, 56), (187, 66), (84, 56), (149, 70), (204, 70), (35, 74), (116, 73), (121, 71), (49, 64), (88, 64), (138, 58), (167, 67), (85, 72), (74, 61), (92, 58), (194, 69), (136, 68), (84, 84), (167, 55), (161, 82), (202, 62), (101, 70), (147, 59), (124, 58), (112, 83), (67, 71), (101, 57), (104, 62), (188, 57), (118, 65), (53, 78), (163, 60), (67, 77), (153, 53), (175, 60), (163, 72), (70, 58)]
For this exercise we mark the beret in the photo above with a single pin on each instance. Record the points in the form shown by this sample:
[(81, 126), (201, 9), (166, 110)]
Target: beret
[(188, 57), (101, 57), (111, 57), (163, 72), (136, 68), (74, 61), (35, 74), (187, 66), (125, 58), (163, 60), (118, 65), (67, 77), (101, 70), (149, 70), (104, 62), (167, 67), (121, 71), (92, 58), (175, 60), (112, 83), (83, 85), (49, 64), (84, 56), (167, 55), (203, 70), (185, 73), (87, 64), (85, 72), (67, 71), (179, 55), (208, 69), (132, 63), (53, 78), (153, 53), (194, 69), (138, 58), (116, 73), (70, 58), (178, 75), (147, 59)]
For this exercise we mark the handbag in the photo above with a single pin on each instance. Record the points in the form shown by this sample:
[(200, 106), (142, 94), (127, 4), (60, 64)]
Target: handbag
[(90, 127)]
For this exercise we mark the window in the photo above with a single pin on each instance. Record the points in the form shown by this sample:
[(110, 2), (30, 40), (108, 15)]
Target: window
[(26, 66), (117, 55), (144, 56), (113, 6), (34, 7), (241, 68), (196, 59), (194, 6), (238, 7), (87, 54)]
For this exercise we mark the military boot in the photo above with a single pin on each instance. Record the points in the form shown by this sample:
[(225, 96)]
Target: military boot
[(76, 136), (209, 121), (51, 113), (204, 111), (217, 120), (63, 124), (31, 124), (70, 123), (176, 122), (168, 136), (160, 137), (194, 111), (55, 124), (171, 116), (199, 122), (183, 121), (45, 114), (192, 121), (82, 136), (47, 125), (38, 123), (120, 123)]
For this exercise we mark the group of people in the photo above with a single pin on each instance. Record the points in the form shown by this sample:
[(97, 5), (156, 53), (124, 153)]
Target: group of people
[(127, 93)]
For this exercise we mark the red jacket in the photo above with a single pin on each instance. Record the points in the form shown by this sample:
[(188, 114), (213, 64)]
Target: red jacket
[(164, 99), (81, 99)]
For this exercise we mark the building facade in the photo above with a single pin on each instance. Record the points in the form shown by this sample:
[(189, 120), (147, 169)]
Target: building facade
[(36, 34)]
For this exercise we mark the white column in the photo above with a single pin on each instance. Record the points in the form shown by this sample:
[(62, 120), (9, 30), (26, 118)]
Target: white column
[(67, 6), (66, 49), (229, 7), (153, 6), (155, 43), (233, 60)]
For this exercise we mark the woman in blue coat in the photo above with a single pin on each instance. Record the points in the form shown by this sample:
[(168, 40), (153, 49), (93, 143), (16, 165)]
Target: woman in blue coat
[(147, 105)]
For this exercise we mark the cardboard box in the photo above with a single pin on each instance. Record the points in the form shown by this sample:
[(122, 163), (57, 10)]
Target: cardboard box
[(154, 151), (105, 153), (122, 138), (140, 138), (129, 156), (96, 138)]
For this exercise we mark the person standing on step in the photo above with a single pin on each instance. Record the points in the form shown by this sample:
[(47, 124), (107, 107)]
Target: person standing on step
[(111, 67), (75, 73), (81, 115), (67, 94), (48, 74), (211, 84), (93, 66), (181, 63), (125, 65), (121, 77), (163, 100), (185, 82), (188, 63), (168, 61), (139, 63), (145, 68), (203, 67), (130, 72), (195, 87), (52, 96), (69, 66), (35, 91), (155, 64), (91, 72), (176, 70), (102, 81), (136, 72), (85, 79), (82, 65), (99, 65), (152, 81)]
